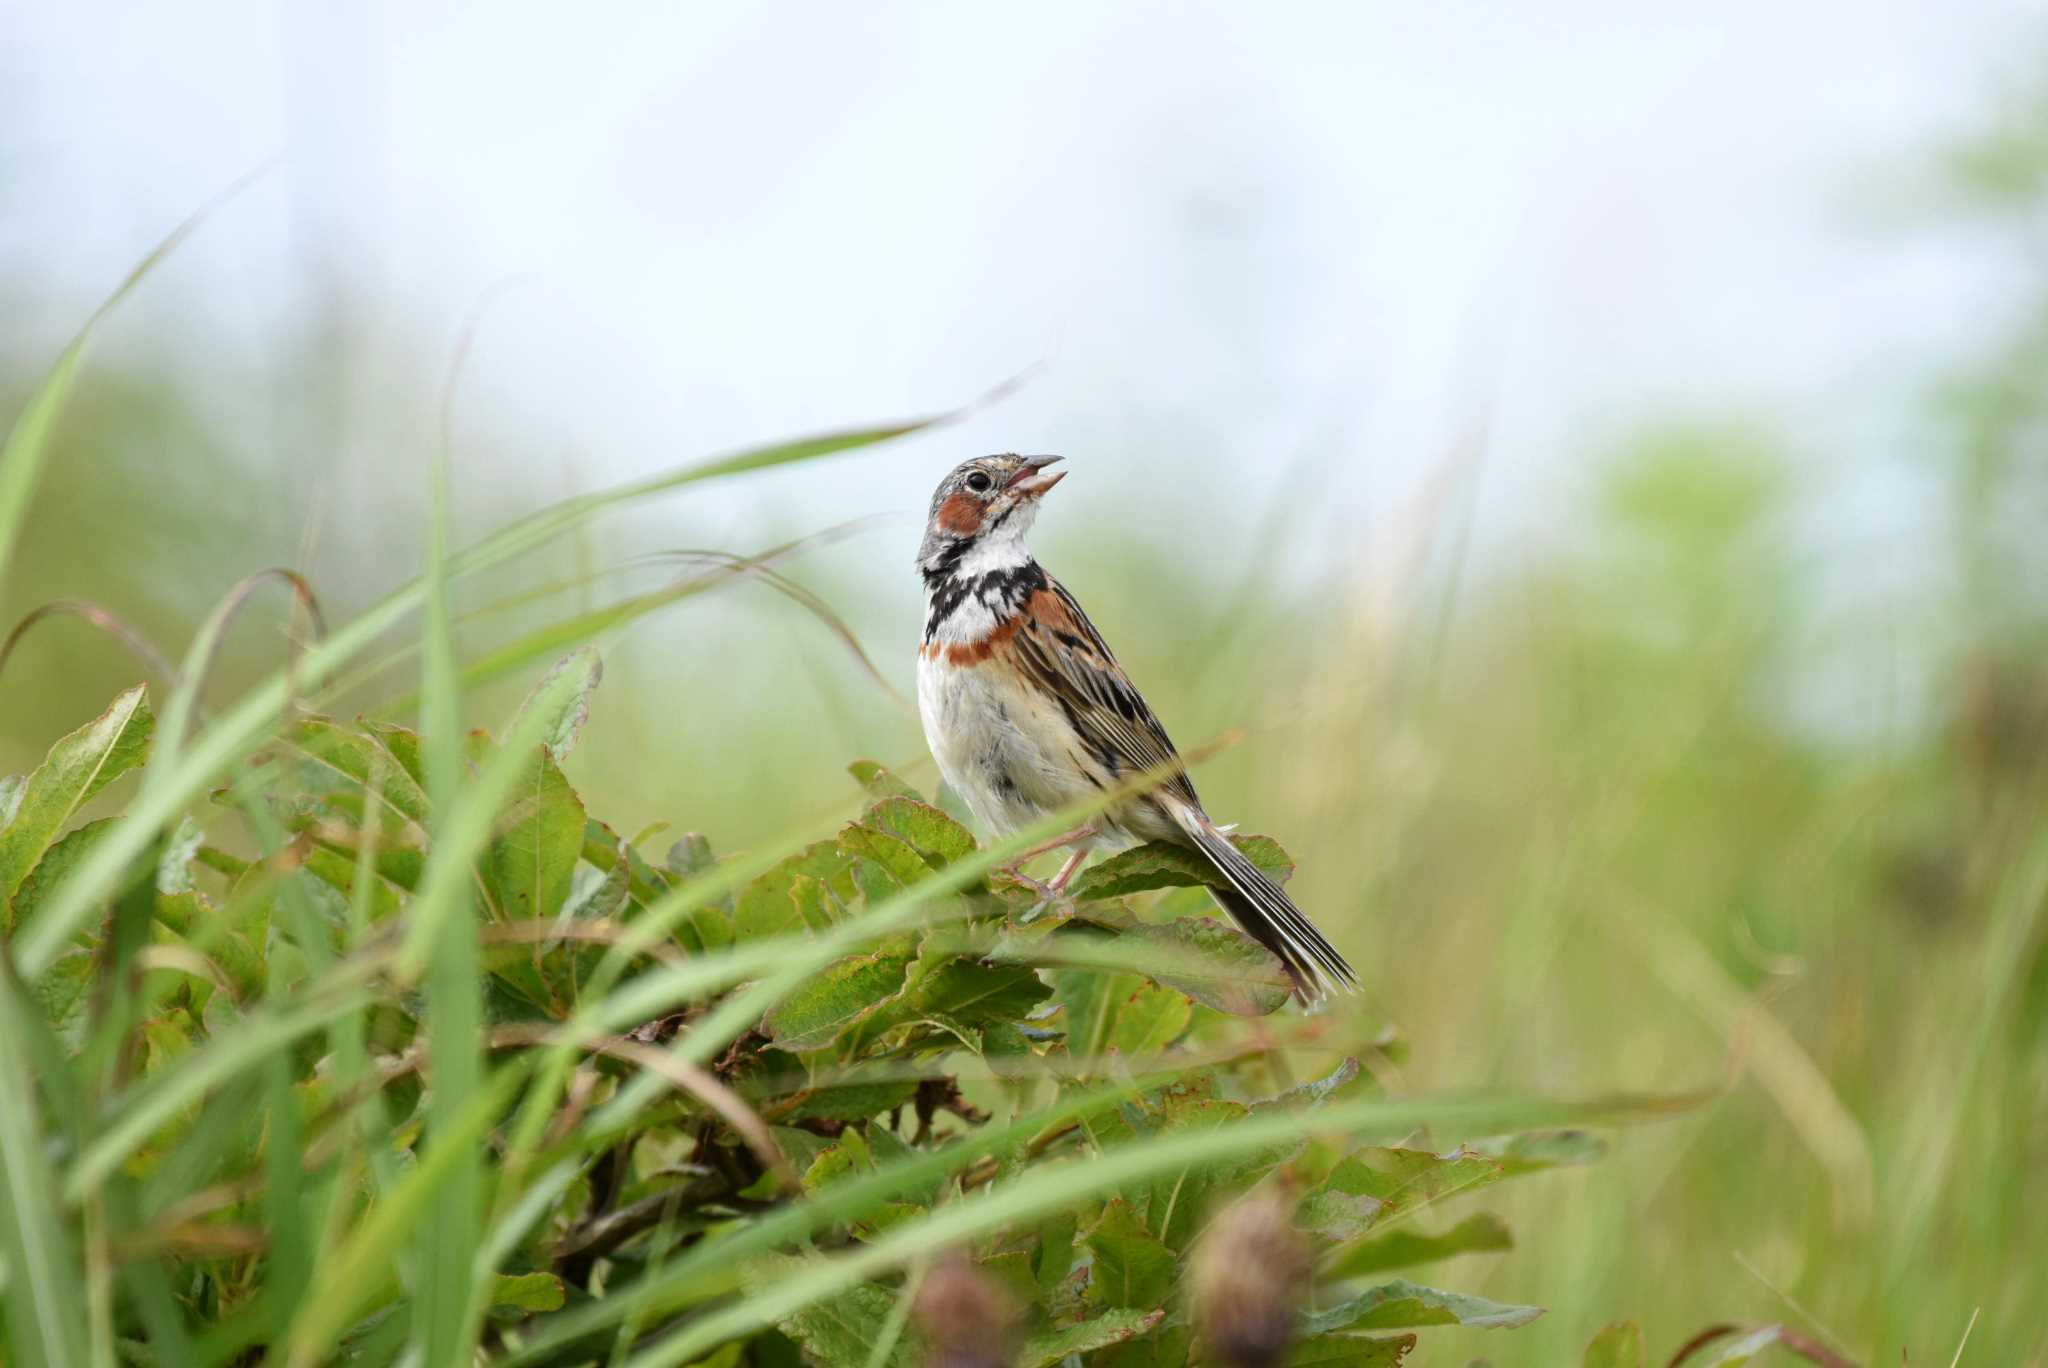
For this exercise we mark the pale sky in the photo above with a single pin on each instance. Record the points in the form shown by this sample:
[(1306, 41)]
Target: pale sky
[(1236, 237)]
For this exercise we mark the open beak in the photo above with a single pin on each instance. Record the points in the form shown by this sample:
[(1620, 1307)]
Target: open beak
[(1030, 479)]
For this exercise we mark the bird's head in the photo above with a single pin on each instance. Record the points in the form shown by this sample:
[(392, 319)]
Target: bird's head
[(980, 513)]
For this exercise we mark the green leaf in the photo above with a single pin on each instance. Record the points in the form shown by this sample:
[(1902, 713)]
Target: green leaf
[(365, 763), (881, 782), (1379, 1181), (1048, 1347), (63, 992), (853, 1101), (977, 994), (1403, 1248), (848, 1157), (1519, 1154), (1088, 1002), (67, 854), (837, 996), (76, 768), (1131, 1267), (1151, 1019), (403, 745), (567, 712), (767, 907), (924, 828), (532, 862), (1336, 1084), (1164, 864), (1216, 964), (905, 866), (1619, 1345), (1055, 1257), (1402, 1305), (842, 1331), (1351, 1351), (528, 1291)]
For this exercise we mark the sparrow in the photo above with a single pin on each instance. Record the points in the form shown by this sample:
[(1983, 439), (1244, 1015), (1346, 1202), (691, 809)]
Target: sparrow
[(1027, 711)]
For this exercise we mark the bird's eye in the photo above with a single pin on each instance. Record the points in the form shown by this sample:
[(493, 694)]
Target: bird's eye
[(980, 483)]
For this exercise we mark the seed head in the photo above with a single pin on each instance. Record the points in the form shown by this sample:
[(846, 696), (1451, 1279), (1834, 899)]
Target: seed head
[(1248, 1280)]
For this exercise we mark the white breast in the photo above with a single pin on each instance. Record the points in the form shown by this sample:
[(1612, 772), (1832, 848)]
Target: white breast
[(1005, 748)]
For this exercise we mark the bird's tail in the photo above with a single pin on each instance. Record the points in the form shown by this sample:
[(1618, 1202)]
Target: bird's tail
[(1256, 903)]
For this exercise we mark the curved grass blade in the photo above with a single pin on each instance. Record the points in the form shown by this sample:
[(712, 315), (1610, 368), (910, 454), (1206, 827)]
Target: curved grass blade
[(28, 442), (242, 728)]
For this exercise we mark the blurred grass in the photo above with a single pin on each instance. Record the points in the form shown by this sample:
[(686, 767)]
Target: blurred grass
[(1569, 822)]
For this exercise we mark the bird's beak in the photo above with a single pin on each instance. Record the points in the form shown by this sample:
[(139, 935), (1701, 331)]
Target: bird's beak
[(1030, 481)]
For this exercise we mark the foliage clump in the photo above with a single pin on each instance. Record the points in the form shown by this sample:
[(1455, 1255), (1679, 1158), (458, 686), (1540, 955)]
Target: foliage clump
[(867, 1102)]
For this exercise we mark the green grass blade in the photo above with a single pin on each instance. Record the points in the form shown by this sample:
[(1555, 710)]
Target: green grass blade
[(443, 937), (1058, 1186), (135, 1116), (27, 448), (244, 727), (44, 1321), (362, 1265)]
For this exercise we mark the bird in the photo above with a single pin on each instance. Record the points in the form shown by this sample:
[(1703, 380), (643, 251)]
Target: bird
[(1027, 711)]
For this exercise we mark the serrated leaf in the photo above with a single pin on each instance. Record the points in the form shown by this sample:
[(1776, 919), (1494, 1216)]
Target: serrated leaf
[(64, 990), (528, 1291), (1217, 965), (1351, 1351), (531, 863), (766, 907), (853, 1101), (402, 744), (1164, 864), (881, 782), (838, 995), (1132, 1268), (927, 830), (1166, 1347), (1088, 1002), (842, 1331), (1403, 1305), (1376, 1180), (976, 994), (904, 865), (76, 769), (1619, 1345), (1318, 1091), (1404, 1248), (12, 789), (1097, 1332), (1532, 1153), (366, 761), (567, 711)]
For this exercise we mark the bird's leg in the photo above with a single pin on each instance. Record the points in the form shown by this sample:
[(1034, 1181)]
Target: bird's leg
[(1049, 892), (1059, 880)]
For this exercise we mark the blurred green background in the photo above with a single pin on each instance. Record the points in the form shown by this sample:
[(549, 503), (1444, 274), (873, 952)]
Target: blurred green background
[(1730, 775)]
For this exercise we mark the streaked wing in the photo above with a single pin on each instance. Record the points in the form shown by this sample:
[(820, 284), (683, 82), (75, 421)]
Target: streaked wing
[(1060, 649)]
